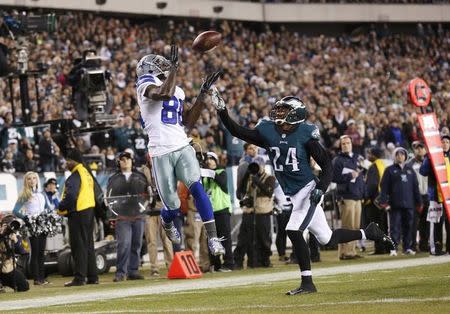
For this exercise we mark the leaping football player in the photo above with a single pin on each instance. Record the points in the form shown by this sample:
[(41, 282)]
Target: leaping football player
[(164, 115), (290, 142)]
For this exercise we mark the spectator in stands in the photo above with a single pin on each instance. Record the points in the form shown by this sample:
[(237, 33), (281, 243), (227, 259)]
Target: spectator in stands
[(29, 163), (8, 164), (47, 152), (400, 191), (350, 192)]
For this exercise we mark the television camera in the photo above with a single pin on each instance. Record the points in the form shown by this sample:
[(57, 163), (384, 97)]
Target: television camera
[(90, 92), (89, 81)]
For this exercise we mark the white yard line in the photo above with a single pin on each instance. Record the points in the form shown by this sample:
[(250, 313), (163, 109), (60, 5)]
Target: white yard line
[(281, 307), (188, 285)]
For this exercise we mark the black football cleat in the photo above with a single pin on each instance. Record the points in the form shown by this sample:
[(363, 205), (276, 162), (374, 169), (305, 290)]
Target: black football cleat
[(374, 233), (303, 289)]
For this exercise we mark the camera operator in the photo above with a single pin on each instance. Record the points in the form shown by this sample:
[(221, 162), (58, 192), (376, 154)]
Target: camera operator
[(214, 180), (255, 191), (10, 276)]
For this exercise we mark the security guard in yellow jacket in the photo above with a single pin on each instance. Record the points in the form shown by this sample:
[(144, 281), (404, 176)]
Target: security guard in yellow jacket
[(78, 202)]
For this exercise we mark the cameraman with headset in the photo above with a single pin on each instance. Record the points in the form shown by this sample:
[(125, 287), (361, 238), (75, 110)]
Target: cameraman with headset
[(255, 192), (10, 276)]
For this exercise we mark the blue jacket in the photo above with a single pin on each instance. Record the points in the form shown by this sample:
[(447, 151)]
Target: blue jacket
[(400, 188), (346, 189)]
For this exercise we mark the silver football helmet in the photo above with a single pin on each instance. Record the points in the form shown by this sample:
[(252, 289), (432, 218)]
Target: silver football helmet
[(154, 65)]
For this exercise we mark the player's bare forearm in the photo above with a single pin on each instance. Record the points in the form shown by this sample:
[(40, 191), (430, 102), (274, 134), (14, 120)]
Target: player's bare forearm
[(166, 90), (249, 135), (191, 115)]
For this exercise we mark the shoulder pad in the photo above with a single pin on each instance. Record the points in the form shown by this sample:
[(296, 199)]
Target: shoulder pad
[(262, 122), (315, 133)]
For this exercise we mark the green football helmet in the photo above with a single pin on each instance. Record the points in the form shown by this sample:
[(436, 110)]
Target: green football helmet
[(297, 112)]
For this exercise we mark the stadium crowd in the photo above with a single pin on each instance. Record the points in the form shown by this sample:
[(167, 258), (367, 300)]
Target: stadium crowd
[(352, 84)]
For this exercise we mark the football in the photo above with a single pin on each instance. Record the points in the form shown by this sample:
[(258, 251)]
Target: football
[(206, 41)]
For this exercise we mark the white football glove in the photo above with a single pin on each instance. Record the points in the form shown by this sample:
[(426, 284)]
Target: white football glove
[(207, 173), (216, 99)]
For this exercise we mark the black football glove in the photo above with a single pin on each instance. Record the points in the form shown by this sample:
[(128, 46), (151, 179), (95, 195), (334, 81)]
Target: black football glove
[(173, 58), (316, 196), (209, 81)]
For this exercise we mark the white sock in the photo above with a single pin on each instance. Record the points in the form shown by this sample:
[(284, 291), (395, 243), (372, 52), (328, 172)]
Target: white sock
[(306, 273)]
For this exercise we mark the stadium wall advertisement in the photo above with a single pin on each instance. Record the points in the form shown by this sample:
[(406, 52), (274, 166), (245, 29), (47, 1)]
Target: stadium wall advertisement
[(247, 11)]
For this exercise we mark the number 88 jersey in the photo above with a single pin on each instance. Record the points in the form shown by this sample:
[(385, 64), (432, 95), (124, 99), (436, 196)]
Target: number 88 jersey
[(290, 160), (161, 120)]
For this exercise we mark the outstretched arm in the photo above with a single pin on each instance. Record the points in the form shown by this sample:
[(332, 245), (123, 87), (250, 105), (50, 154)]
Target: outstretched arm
[(190, 115), (249, 135)]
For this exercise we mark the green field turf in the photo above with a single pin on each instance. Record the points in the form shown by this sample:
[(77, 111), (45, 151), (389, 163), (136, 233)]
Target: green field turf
[(406, 290), (409, 290)]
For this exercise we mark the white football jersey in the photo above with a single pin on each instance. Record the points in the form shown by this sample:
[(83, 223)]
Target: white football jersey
[(162, 120)]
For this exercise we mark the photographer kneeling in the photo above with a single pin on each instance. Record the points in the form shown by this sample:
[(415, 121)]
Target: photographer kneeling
[(10, 276)]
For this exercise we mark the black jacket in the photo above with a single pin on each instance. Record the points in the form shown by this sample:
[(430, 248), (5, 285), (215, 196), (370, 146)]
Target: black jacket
[(346, 189), (127, 197), (372, 182)]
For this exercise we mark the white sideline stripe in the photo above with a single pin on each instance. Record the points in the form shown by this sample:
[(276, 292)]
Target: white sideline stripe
[(189, 285), (287, 306)]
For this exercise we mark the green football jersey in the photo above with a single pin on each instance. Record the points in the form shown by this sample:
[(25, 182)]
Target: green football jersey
[(287, 152)]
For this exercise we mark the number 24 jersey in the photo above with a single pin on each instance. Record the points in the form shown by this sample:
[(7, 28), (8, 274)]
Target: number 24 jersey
[(290, 160)]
